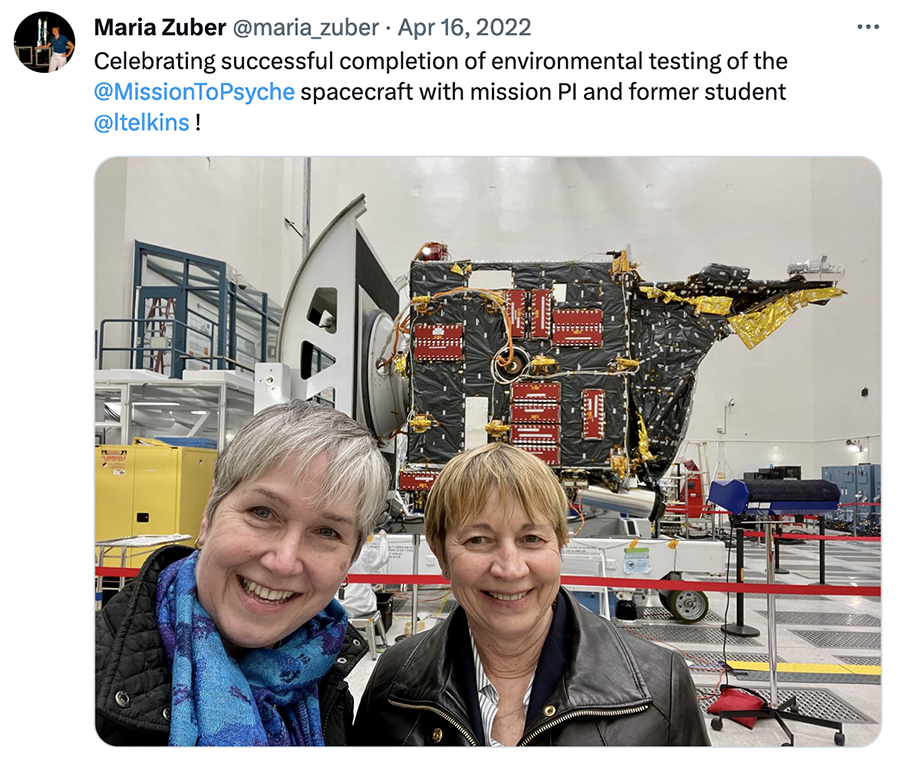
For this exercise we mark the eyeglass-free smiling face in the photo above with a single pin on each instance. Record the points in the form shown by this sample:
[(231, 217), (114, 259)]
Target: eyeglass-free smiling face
[(504, 570), (272, 558)]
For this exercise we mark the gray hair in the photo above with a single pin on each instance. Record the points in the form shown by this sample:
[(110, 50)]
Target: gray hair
[(356, 470)]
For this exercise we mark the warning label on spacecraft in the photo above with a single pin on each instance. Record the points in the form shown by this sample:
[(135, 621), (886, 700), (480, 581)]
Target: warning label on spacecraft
[(637, 560)]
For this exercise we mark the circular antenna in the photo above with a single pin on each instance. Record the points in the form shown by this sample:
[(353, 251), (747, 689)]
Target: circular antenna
[(512, 369), (383, 392)]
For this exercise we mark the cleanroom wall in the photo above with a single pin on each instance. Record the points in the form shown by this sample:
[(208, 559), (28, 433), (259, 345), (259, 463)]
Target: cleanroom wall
[(231, 209), (846, 378)]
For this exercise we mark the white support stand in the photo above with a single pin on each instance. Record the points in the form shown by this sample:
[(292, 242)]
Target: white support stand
[(414, 626), (788, 710), (272, 385)]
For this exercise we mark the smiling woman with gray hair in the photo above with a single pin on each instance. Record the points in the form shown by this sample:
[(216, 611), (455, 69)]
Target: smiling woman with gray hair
[(240, 642)]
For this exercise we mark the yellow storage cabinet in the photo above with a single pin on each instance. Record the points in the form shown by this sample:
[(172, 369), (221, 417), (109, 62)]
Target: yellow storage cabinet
[(150, 488)]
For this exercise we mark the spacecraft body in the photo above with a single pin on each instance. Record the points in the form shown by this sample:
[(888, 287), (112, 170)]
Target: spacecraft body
[(581, 363)]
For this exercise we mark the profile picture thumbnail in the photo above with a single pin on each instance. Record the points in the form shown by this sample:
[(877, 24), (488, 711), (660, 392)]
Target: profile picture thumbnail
[(44, 42)]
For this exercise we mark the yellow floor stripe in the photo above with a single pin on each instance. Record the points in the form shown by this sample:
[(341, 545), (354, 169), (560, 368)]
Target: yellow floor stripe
[(807, 668)]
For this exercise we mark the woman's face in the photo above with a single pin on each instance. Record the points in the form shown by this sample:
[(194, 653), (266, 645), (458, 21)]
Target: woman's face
[(271, 560), (504, 570)]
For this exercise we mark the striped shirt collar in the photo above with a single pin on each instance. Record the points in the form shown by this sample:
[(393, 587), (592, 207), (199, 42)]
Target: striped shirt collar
[(489, 698)]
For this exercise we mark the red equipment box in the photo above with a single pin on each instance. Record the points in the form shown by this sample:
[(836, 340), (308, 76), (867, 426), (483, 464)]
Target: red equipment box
[(416, 480), (578, 327), (534, 413), (541, 303), (593, 415), (515, 308), (534, 434), (546, 452), (540, 393), (438, 342)]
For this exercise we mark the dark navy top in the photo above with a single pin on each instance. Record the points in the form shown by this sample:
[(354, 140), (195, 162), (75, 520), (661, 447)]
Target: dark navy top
[(59, 43)]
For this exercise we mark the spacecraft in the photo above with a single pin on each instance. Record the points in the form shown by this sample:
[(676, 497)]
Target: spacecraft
[(578, 360)]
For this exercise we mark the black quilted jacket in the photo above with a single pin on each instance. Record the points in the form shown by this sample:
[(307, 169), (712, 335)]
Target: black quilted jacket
[(132, 677)]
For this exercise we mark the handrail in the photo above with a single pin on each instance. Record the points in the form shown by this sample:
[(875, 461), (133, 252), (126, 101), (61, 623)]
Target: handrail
[(180, 349)]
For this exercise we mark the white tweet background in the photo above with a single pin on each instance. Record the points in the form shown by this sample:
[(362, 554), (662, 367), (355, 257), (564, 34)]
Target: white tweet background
[(841, 92)]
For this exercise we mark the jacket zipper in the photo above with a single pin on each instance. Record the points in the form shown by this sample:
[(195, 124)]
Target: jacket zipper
[(444, 715), (328, 709), (577, 714)]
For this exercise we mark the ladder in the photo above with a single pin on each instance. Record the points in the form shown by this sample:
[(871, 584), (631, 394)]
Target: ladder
[(160, 310)]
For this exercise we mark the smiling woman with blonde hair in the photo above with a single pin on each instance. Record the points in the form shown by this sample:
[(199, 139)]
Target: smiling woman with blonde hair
[(519, 662)]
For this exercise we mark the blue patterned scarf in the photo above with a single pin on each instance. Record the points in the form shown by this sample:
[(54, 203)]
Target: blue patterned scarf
[(269, 697)]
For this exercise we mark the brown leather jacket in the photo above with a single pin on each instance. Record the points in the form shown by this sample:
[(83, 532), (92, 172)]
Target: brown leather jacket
[(594, 685)]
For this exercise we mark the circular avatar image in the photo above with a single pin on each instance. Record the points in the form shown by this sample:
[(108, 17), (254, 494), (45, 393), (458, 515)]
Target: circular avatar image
[(44, 42)]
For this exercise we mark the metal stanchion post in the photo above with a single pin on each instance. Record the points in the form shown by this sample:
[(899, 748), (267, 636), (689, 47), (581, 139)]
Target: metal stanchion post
[(770, 618), (414, 623), (739, 629), (777, 540), (821, 551), (415, 589)]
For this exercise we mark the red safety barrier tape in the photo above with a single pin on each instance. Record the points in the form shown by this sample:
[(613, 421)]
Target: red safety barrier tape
[(818, 537), (673, 509), (632, 583), (745, 587), (119, 573), (594, 581)]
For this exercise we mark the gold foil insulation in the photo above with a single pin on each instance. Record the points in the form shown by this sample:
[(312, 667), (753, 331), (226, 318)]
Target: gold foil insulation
[(421, 423), (621, 265), (618, 462), (644, 441), (400, 366), (624, 364), (541, 365), (421, 303), (755, 326), (702, 304), (496, 429)]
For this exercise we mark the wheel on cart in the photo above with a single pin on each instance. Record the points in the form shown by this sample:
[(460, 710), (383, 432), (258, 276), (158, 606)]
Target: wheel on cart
[(716, 723), (665, 595), (839, 738), (687, 605)]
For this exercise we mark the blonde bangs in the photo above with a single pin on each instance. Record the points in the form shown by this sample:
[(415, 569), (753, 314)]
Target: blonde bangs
[(470, 479)]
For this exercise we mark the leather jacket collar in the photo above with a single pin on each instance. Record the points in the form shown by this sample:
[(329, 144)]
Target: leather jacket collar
[(567, 679)]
